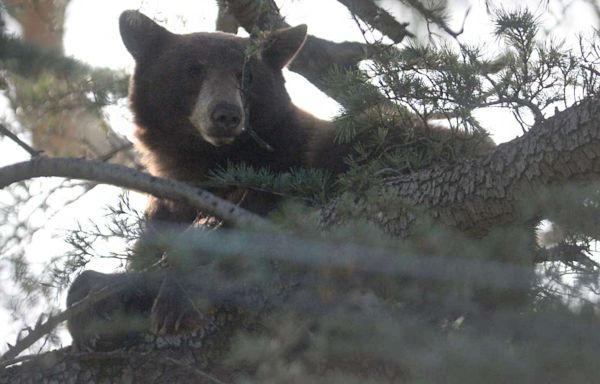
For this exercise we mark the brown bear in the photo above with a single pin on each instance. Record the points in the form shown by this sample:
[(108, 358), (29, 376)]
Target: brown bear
[(201, 101)]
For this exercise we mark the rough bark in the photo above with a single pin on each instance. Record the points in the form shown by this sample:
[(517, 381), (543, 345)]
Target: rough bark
[(474, 196)]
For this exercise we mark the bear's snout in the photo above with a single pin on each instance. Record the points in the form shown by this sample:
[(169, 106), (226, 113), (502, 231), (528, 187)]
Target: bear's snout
[(218, 122), (226, 118)]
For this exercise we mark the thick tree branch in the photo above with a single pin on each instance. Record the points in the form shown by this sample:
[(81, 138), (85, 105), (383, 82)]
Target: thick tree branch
[(125, 177), (474, 196)]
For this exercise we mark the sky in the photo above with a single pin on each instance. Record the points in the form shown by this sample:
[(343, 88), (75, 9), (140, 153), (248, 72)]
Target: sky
[(91, 35)]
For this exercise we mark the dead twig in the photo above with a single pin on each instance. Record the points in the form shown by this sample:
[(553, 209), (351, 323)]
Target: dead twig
[(6, 132)]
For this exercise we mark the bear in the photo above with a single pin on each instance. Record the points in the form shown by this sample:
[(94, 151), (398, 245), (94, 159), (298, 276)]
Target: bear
[(201, 101)]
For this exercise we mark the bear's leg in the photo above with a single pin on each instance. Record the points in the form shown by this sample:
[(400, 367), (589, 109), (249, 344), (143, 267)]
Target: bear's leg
[(117, 320)]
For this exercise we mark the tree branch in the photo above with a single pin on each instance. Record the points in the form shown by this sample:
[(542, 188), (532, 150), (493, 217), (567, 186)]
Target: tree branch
[(378, 18), (94, 170), (317, 59), (6, 132), (433, 16), (474, 196)]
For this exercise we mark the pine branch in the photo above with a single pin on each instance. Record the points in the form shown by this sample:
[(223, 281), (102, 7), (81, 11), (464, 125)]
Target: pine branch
[(43, 328), (433, 16)]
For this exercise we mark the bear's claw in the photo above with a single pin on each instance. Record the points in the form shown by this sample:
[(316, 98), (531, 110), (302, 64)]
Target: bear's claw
[(173, 310)]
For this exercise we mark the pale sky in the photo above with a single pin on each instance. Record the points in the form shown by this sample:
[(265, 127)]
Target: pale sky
[(92, 36)]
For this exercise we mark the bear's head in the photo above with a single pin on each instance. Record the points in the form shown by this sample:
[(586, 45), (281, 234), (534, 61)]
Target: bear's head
[(206, 86)]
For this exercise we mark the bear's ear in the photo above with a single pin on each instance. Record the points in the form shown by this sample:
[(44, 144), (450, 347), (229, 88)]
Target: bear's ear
[(281, 46), (140, 34)]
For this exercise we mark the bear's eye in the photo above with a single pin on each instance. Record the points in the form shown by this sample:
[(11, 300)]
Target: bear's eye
[(196, 70)]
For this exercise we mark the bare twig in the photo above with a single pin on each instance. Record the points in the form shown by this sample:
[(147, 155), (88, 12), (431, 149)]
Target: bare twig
[(6, 132), (118, 175)]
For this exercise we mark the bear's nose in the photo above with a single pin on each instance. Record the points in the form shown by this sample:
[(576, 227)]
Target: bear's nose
[(226, 116)]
